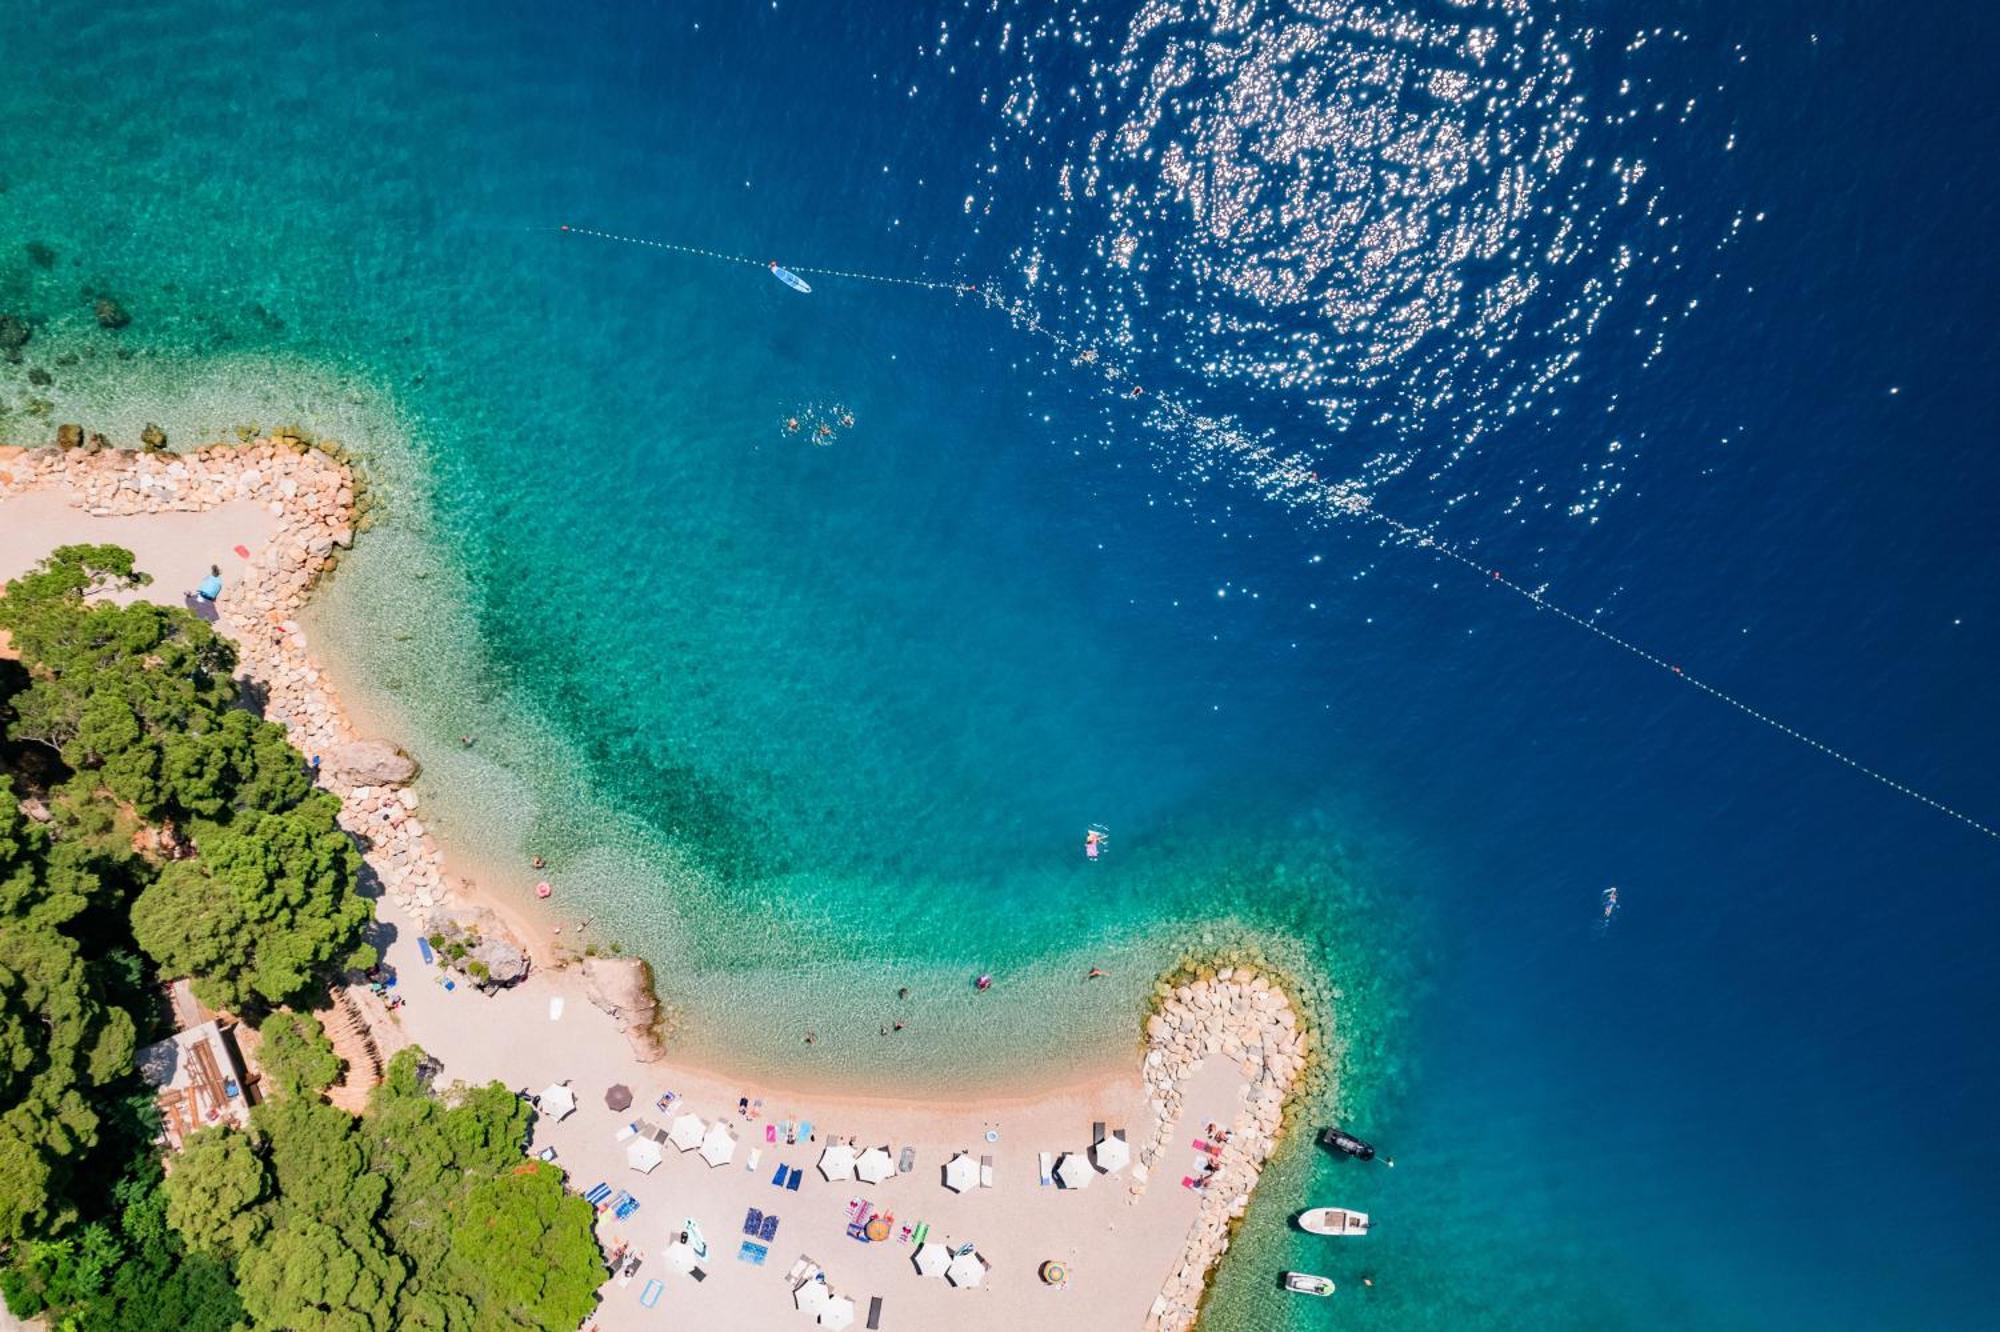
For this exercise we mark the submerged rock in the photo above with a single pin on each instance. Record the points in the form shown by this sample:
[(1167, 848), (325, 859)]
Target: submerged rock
[(69, 436), (153, 437), (110, 314), (14, 334), (42, 255)]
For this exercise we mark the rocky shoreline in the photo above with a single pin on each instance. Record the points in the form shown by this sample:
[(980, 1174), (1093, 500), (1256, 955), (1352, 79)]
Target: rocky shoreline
[(313, 494), (1240, 1015)]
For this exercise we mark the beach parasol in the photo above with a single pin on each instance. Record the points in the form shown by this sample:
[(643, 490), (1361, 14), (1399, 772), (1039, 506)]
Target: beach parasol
[(719, 1147), (811, 1296), (643, 1155), (686, 1132), (961, 1173), (875, 1165), (966, 1270), (932, 1259), (838, 1313), (681, 1256), (558, 1102), (837, 1161), (1073, 1171), (1112, 1154), (619, 1097)]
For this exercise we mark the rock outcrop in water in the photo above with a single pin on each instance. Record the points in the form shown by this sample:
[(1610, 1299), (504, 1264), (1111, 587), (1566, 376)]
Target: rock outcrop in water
[(623, 987), (370, 762)]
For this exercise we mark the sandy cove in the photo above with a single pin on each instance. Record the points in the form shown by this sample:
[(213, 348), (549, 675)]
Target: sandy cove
[(1137, 1244)]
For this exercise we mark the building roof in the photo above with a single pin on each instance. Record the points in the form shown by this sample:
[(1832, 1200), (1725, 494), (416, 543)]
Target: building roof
[(199, 1079)]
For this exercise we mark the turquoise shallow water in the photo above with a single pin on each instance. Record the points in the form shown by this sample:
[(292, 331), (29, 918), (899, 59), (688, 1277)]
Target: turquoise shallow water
[(805, 724)]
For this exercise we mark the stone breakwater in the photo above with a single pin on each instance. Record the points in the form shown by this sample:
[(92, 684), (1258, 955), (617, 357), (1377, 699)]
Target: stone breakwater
[(1238, 1015), (311, 495)]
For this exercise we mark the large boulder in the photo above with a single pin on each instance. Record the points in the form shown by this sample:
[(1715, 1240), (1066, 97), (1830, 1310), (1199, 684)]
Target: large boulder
[(371, 763), (623, 987), (478, 943)]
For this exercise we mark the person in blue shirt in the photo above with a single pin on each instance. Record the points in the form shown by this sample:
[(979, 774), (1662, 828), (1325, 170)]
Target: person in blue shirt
[(211, 586)]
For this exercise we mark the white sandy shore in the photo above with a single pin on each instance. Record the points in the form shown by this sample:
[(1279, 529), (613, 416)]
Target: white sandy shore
[(1124, 1242)]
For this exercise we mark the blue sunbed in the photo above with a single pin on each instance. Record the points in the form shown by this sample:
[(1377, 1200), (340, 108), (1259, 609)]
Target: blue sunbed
[(424, 950), (769, 1231)]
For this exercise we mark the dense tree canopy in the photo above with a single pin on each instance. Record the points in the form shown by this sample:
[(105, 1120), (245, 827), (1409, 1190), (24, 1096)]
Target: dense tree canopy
[(213, 1194), (297, 1058), (523, 1244), (263, 912)]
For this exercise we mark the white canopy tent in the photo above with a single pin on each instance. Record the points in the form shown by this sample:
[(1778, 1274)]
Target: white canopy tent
[(875, 1165), (1113, 1154), (686, 1132), (966, 1270), (1074, 1172), (961, 1173), (837, 1161), (643, 1155), (719, 1147), (931, 1259), (558, 1102)]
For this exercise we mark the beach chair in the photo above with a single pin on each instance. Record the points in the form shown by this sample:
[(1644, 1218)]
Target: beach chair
[(650, 1296), (769, 1230), (985, 1172), (1047, 1162), (923, 1232), (597, 1195), (875, 1311), (752, 1219), (792, 1180)]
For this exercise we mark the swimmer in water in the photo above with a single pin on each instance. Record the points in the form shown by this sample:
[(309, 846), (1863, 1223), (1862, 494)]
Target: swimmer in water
[(823, 431), (847, 419), (983, 983), (1096, 973), (791, 425)]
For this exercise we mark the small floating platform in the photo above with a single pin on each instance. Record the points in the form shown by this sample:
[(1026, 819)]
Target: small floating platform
[(1346, 1144)]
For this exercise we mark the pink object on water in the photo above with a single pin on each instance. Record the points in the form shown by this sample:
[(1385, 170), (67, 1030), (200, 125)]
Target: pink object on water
[(542, 889), (1090, 849)]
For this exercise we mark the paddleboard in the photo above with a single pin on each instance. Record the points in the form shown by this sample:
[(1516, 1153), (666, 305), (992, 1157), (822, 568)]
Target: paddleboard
[(791, 279)]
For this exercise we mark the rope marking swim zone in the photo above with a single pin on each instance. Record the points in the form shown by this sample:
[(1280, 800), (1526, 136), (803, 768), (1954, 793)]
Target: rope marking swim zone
[(1300, 486)]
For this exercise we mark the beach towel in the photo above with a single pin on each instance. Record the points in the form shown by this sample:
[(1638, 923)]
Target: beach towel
[(756, 1158), (778, 1179), (753, 1254), (769, 1230), (598, 1194), (923, 1230), (875, 1311), (806, 1129), (770, 1133), (751, 1220), (651, 1295), (792, 1180)]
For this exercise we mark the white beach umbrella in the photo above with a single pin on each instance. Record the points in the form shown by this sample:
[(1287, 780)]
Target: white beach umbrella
[(558, 1102), (719, 1147), (681, 1256), (1074, 1172), (1112, 1154), (686, 1132), (812, 1296), (875, 1165), (932, 1259), (961, 1173), (966, 1270), (643, 1155), (838, 1313), (837, 1161)]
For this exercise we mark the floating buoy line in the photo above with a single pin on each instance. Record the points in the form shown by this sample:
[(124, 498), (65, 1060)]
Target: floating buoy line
[(1291, 480)]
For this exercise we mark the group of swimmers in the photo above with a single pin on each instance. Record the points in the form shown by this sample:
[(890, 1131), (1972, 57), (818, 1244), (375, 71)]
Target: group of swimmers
[(822, 432)]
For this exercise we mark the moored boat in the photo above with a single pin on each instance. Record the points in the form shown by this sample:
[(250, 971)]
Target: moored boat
[(1333, 1221), (1306, 1283), (1338, 1140)]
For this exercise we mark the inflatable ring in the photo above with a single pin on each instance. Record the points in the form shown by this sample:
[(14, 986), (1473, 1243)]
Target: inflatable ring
[(1054, 1273)]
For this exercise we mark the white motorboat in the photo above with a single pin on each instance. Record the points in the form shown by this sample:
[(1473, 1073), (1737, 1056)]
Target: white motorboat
[(1333, 1221)]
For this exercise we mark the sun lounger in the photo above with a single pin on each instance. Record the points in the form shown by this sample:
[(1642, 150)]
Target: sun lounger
[(753, 1254), (1047, 1162), (923, 1231), (751, 1220), (907, 1161), (985, 1172), (650, 1296), (769, 1231), (875, 1311), (792, 1180), (796, 1273), (629, 1131), (424, 950), (598, 1193)]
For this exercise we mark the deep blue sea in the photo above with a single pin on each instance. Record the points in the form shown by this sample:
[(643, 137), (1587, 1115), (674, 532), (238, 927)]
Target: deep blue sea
[(1681, 316)]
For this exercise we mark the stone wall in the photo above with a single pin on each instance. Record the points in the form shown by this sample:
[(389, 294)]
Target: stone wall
[(1238, 1015)]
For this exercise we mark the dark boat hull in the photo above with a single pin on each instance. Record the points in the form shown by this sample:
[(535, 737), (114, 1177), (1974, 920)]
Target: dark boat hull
[(1346, 1144)]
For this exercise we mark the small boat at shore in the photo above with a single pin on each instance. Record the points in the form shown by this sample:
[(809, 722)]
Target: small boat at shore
[(790, 279), (1306, 1283), (1338, 1140), (1333, 1221)]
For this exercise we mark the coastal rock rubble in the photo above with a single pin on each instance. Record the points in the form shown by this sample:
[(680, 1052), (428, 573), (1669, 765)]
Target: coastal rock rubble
[(482, 937), (311, 495), (1240, 1016)]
